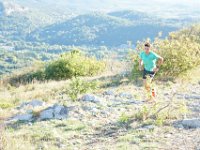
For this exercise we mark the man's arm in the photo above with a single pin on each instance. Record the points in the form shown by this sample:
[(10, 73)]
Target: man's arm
[(160, 61), (140, 64)]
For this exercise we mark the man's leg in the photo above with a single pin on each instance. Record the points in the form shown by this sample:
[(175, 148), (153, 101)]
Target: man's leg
[(148, 88), (147, 81)]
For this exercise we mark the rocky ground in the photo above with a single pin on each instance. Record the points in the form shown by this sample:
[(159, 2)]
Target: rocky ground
[(108, 119)]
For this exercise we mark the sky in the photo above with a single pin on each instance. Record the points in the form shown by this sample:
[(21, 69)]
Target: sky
[(152, 6)]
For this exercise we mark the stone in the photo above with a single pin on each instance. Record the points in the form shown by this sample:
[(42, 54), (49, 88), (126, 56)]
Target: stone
[(191, 123), (147, 127), (179, 126), (109, 92), (125, 95), (167, 135), (90, 98), (47, 114), (94, 109), (55, 112), (60, 112), (192, 97), (29, 111), (33, 103), (23, 117), (134, 102)]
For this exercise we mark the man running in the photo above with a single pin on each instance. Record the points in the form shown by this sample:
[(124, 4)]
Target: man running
[(149, 63)]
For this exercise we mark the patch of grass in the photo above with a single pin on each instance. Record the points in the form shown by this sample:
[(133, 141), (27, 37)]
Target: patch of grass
[(162, 111), (78, 86), (126, 146), (74, 126), (6, 105), (135, 139), (44, 135), (123, 119)]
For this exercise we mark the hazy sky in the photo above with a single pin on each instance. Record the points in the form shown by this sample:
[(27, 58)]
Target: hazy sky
[(112, 5), (108, 5)]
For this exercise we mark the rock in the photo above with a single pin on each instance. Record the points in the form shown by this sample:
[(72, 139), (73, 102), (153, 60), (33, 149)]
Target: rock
[(109, 92), (192, 97), (166, 94), (167, 135), (134, 102), (29, 111), (23, 117), (33, 103), (94, 111), (105, 113), (60, 112), (90, 98), (125, 95), (191, 123), (179, 126), (91, 109), (116, 102), (149, 127), (55, 112), (47, 114)]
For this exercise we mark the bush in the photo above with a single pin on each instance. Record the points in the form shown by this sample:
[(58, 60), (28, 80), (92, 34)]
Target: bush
[(180, 52), (73, 64), (28, 77), (135, 72), (58, 70), (78, 86)]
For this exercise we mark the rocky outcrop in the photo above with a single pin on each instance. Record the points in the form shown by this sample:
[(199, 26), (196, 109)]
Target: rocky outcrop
[(56, 111), (191, 123)]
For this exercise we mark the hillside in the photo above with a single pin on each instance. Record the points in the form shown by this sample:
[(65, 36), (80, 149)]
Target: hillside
[(13, 25), (7, 8), (109, 118), (32, 21), (99, 29), (18, 21)]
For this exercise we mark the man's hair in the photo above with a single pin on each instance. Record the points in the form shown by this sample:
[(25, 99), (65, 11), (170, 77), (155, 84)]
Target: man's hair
[(147, 44)]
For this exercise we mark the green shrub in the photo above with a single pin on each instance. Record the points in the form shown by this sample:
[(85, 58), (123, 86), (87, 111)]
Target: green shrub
[(135, 73), (38, 75), (180, 52), (58, 70), (78, 86), (73, 64), (124, 118), (27, 77)]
